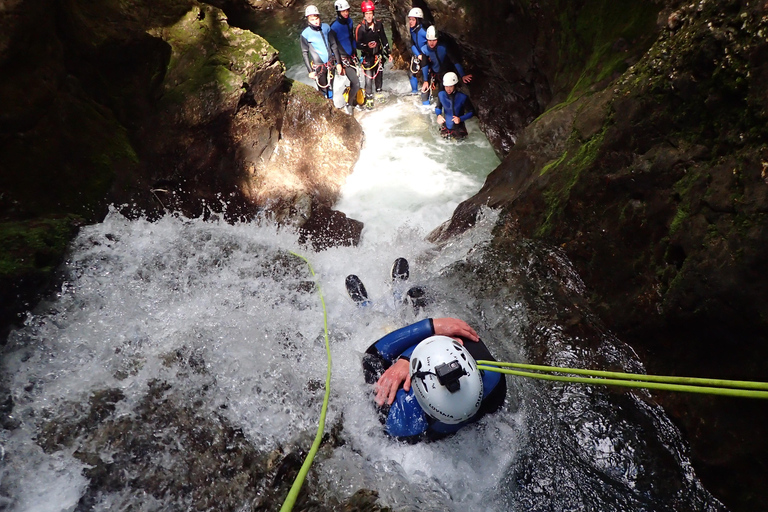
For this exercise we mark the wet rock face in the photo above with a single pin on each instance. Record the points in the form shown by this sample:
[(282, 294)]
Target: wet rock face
[(654, 184), (214, 466)]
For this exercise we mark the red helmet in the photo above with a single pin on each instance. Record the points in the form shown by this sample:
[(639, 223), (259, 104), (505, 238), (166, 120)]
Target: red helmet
[(367, 5)]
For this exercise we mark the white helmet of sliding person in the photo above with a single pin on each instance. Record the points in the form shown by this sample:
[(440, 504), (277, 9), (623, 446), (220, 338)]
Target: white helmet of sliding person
[(311, 10), (445, 380), (416, 13), (341, 5), (450, 78), (431, 33)]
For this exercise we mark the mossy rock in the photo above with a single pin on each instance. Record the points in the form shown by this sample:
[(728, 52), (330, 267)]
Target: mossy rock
[(211, 63), (30, 252)]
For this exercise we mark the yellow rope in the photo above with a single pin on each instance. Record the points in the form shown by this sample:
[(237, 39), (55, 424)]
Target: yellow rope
[(293, 494)]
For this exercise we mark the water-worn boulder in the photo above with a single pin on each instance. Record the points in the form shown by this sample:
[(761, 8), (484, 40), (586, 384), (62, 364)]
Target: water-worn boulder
[(655, 185)]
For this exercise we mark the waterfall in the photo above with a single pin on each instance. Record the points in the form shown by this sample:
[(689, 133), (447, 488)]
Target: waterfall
[(181, 363)]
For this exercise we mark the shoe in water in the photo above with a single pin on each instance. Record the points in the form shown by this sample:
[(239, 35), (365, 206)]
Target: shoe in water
[(417, 297), (400, 270), (369, 104), (349, 109), (356, 290)]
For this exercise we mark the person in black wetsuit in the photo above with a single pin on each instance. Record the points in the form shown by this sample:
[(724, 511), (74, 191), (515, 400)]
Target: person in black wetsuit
[(319, 50), (374, 46), (413, 399)]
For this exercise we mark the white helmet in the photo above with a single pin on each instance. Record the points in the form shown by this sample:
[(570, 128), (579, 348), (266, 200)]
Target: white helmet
[(416, 13), (450, 78), (445, 380), (310, 10), (431, 33), (341, 5)]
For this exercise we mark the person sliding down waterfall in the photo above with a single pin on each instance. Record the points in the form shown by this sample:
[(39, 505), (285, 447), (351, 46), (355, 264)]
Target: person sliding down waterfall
[(345, 35), (452, 108), (426, 381), (319, 49), (374, 47), (427, 384), (418, 39), (437, 61)]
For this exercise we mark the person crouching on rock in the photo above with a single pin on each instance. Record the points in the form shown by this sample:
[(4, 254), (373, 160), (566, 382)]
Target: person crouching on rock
[(319, 48), (452, 108)]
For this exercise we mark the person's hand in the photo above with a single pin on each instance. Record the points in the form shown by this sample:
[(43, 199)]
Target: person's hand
[(421, 56), (456, 120), (425, 86), (454, 328), (388, 384), (372, 44), (390, 58), (466, 79), (440, 120), (312, 75), (339, 69)]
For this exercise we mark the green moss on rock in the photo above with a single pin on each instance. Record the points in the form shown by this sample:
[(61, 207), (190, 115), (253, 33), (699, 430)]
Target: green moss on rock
[(35, 245)]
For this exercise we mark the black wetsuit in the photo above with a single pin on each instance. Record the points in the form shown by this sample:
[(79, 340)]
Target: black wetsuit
[(373, 58)]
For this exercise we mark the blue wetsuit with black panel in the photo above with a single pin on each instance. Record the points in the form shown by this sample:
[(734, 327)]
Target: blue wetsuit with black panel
[(405, 419)]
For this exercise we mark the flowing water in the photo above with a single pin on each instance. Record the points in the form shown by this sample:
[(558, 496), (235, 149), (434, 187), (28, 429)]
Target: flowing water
[(175, 347)]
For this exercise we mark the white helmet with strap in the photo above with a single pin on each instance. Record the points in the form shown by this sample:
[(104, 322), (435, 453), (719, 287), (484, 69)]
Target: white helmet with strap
[(341, 5), (311, 10), (445, 380), (431, 33), (450, 78), (416, 13)]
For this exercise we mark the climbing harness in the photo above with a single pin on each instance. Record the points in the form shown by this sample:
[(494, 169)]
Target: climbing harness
[(415, 64), (377, 62), (745, 389), (293, 494), (328, 70)]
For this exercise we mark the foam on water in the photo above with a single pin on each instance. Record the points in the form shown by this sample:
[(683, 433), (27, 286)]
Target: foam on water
[(231, 303)]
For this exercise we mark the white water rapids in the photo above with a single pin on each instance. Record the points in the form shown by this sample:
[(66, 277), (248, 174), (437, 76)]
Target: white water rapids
[(138, 291)]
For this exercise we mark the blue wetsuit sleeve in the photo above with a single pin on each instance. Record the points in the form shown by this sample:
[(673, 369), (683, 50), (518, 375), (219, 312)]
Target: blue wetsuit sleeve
[(391, 346), (425, 63), (459, 70)]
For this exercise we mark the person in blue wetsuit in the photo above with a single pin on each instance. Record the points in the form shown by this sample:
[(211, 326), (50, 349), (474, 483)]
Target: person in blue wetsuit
[(452, 108), (427, 384), (438, 60), (319, 50), (345, 35), (418, 39)]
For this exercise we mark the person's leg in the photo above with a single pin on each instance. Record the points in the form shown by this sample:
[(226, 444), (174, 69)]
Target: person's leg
[(380, 76), (322, 80), (354, 86)]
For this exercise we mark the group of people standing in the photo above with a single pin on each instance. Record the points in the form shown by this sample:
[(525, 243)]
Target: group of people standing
[(326, 49), (331, 51)]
